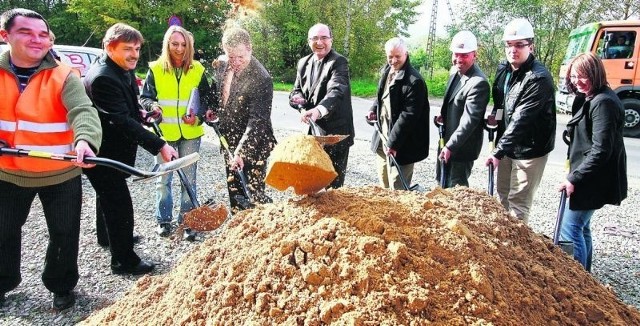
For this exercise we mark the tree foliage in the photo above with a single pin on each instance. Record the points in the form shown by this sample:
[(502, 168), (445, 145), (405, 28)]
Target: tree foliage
[(552, 20), (359, 27)]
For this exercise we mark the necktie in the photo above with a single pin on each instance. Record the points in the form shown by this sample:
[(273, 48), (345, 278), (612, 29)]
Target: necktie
[(315, 71)]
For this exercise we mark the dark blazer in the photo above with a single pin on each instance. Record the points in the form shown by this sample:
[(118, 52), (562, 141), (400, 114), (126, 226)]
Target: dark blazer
[(332, 90), (598, 160), (246, 120), (463, 114), (114, 93), (409, 134)]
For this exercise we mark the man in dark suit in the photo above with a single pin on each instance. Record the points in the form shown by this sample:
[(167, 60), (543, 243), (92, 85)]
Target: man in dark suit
[(402, 112), (462, 112), (322, 87), (245, 90), (111, 85)]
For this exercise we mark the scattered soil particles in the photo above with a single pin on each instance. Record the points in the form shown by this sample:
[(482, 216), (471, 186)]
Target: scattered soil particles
[(371, 256)]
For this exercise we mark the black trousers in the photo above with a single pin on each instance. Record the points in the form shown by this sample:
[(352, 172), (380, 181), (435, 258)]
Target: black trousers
[(114, 200), (339, 157), (255, 176), (456, 172), (61, 204)]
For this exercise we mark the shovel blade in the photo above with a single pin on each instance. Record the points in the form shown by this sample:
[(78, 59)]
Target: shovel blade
[(330, 139), (206, 218)]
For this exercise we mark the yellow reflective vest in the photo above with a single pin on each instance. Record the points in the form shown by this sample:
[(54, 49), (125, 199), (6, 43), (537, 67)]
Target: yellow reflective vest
[(173, 96)]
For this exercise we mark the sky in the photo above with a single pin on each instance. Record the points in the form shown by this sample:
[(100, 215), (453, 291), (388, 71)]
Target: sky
[(420, 29)]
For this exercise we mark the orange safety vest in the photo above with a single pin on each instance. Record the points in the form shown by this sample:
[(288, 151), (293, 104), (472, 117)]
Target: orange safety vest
[(35, 119)]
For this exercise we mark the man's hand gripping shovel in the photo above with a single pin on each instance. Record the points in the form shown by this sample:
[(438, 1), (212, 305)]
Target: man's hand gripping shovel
[(491, 125), (391, 160), (438, 121), (245, 201)]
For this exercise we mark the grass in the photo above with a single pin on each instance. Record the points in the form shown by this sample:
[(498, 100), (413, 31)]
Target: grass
[(368, 87)]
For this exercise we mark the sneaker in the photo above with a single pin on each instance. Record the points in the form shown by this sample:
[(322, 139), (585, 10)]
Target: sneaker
[(63, 301), (164, 229), (189, 235)]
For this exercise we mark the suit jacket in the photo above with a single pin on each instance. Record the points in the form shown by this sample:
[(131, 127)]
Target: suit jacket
[(246, 119), (598, 160), (114, 93), (332, 90), (409, 130), (463, 112)]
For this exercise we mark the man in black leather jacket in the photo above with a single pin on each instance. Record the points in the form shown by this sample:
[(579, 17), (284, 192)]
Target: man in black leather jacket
[(524, 103)]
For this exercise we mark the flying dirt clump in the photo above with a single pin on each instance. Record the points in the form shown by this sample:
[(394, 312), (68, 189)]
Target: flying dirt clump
[(369, 256)]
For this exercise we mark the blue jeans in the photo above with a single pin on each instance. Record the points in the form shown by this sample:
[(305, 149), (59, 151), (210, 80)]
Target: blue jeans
[(576, 228), (164, 199)]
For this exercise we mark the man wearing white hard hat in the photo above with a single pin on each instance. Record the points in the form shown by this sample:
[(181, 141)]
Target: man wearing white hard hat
[(524, 104), (462, 112)]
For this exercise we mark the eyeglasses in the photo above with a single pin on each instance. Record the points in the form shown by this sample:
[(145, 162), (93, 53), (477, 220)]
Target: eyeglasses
[(319, 38), (518, 46), (573, 78)]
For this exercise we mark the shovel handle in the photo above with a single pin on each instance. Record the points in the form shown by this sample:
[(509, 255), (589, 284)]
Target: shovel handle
[(563, 201), (491, 182)]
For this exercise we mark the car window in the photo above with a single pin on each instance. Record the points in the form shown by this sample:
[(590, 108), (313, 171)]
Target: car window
[(616, 44), (78, 57)]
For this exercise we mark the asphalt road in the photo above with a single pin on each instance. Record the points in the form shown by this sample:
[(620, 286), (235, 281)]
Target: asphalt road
[(284, 117)]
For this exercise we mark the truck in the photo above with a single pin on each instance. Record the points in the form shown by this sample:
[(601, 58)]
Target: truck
[(617, 44)]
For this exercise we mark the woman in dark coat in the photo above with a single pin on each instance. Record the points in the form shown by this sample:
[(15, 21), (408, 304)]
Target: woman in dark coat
[(598, 161)]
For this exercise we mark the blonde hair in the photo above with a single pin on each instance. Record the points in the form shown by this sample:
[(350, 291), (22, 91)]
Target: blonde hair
[(165, 57)]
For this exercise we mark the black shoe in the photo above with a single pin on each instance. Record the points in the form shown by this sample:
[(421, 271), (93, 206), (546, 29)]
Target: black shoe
[(142, 267), (163, 229), (189, 235), (63, 301)]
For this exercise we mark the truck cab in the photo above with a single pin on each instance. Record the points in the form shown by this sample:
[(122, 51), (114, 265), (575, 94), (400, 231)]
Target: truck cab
[(617, 43)]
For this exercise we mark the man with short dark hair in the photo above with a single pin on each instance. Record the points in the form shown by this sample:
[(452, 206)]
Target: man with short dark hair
[(523, 95), (43, 108), (322, 88), (111, 85)]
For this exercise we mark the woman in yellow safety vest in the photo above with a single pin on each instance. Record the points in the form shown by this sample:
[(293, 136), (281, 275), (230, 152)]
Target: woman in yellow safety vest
[(177, 87)]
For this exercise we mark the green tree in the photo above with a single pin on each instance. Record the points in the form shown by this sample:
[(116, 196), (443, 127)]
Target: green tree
[(203, 18), (359, 29)]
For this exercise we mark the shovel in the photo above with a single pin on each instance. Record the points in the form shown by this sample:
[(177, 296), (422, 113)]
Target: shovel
[(566, 246), (245, 201), (491, 125), (200, 218), (392, 162), (325, 139), (443, 170), (317, 133), (158, 169)]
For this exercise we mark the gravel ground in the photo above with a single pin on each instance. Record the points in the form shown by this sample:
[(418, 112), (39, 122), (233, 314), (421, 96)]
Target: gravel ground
[(616, 257)]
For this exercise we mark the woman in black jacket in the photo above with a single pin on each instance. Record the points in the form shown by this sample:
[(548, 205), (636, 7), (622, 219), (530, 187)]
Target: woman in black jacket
[(598, 161)]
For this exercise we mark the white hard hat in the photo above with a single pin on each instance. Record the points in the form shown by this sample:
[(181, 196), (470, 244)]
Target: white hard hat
[(518, 29), (463, 42)]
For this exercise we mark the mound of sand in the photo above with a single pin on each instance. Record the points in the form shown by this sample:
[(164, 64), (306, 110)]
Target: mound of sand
[(368, 256)]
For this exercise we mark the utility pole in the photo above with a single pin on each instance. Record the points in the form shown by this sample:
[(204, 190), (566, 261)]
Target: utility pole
[(431, 37), (432, 33)]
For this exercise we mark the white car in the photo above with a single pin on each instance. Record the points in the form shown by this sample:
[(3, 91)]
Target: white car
[(79, 57)]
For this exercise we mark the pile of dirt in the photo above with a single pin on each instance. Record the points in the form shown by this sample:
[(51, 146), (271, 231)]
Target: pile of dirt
[(368, 256)]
